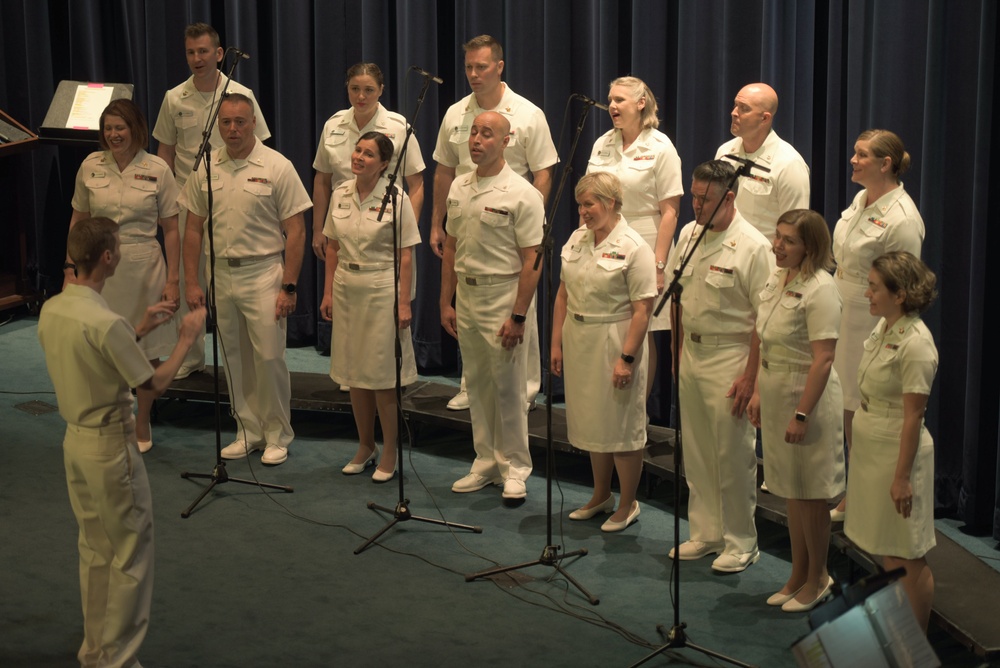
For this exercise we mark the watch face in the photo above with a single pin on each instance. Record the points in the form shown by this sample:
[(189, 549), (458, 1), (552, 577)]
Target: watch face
[(289, 288)]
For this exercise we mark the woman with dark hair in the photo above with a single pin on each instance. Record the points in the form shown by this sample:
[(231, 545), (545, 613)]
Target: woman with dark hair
[(649, 168), (334, 154), (599, 345), (881, 218), (892, 477), (136, 190), (358, 296), (797, 402)]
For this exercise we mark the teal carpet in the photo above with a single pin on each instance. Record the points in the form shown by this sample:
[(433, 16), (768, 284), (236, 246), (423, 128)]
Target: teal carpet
[(270, 579)]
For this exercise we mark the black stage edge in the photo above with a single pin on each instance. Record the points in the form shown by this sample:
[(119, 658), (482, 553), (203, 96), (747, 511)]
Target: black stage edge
[(961, 579)]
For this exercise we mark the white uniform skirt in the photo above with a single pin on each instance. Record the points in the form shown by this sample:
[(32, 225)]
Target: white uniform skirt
[(872, 521), (362, 342), (646, 226), (856, 324), (814, 468), (138, 284), (600, 417)]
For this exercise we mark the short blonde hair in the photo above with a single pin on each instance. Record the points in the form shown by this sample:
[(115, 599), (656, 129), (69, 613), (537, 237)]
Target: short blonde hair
[(605, 186)]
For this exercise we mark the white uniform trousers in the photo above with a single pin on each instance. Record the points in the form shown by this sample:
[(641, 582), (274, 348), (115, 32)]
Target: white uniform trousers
[(253, 349), (109, 493), (495, 380), (719, 460), (195, 357)]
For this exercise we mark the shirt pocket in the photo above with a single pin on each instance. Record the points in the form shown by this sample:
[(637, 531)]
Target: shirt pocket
[(140, 197), (720, 288), (256, 198), (99, 195), (757, 188), (495, 229), (188, 129)]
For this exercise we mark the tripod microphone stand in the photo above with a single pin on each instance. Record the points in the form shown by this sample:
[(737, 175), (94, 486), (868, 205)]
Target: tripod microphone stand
[(401, 512), (219, 475), (677, 635), (550, 553)]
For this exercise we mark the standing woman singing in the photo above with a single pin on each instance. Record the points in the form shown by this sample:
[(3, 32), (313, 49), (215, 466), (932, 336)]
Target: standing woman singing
[(599, 328), (136, 190), (892, 477), (881, 218), (358, 296), (649, 169)]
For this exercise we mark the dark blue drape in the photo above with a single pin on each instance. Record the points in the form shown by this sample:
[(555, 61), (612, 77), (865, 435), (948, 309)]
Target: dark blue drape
[(923, 68)]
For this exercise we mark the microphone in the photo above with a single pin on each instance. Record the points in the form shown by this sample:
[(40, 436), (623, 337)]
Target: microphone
[(427, 75), (747, 164), (242, 54), (587, 100)]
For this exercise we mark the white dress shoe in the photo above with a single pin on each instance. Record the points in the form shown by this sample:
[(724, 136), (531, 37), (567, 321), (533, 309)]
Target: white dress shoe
[(794, 606), (735, 563), (473, 483), (459, 402), (379, 476), (607, 506), (633, 515), (274, 455), (514, 489), (781, 599), (239, 449), (695, 549), (354, 469)]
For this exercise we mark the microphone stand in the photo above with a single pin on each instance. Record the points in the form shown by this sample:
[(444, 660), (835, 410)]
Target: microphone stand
[(218, 475), (677, 636), (550, 553), (401, 513)]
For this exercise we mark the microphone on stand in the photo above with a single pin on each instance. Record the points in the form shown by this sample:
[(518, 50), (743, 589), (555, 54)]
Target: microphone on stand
[(591, 102), (242, 54), (746, 165), (426, 74)]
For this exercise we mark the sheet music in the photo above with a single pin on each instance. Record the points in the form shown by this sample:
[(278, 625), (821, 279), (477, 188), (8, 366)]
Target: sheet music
[(88, 103)]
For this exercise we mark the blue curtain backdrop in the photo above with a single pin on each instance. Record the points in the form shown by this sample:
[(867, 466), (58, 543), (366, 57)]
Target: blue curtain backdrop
[(923, 68)]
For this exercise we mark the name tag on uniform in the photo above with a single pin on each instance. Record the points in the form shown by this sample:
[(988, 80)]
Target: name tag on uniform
[(182, 113), (259, 179), (459, 128), (606, 153), (490, 209), (452, 202), (145, 177), (344, 205), (337, 133), (720, 270), (97, 175)]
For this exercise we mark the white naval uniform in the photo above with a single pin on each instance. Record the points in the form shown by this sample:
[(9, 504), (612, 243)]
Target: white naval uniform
[(862, 234), (791, 317), (363, 344), (530, 149), (763, 197), (900, 361), (650, 172), (722, 286), (136, 198), (252, 197), (491, 222), (183, 114), (93, 359), (601, 283), (341, 133)]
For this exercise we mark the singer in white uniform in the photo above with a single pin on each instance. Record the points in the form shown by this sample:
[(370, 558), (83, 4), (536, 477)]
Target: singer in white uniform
[(530, 153)]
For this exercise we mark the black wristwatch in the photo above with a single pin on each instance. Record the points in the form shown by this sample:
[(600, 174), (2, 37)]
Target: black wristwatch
[(289, 288), (628, 359), (801, 417), (518, 318)]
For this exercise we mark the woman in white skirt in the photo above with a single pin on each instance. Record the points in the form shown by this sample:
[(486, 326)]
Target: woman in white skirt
[(358, 297), (798, 403), (649, 169), (136, 190), (881, 218), (892, 477), (599, 345)]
